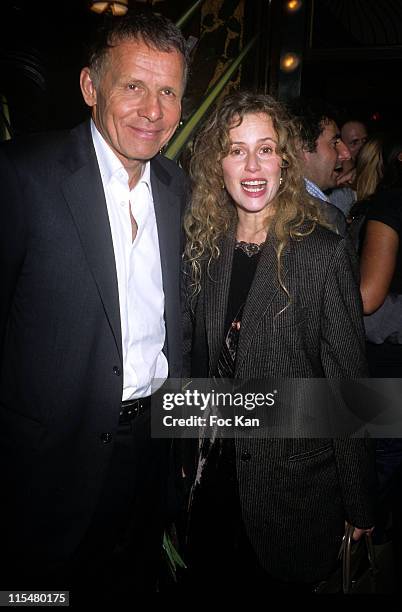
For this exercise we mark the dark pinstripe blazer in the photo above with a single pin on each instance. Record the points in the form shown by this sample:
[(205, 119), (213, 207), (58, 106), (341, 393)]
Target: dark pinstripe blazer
[(295, 493)]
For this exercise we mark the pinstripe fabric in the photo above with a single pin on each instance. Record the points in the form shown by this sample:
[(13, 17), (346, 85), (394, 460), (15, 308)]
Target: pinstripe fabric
[(295, 493)]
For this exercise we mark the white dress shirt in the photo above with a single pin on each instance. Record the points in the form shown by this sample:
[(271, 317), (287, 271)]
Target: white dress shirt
[(139, 273)]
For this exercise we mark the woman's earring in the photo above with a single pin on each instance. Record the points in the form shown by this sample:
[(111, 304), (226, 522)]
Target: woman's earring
[(280, 180)]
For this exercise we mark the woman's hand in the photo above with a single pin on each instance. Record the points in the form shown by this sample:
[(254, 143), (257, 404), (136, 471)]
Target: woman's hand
[(358, 533), (346, 178)]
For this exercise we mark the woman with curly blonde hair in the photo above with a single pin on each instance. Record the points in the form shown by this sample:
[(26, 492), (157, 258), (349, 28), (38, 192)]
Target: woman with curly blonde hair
[(272, 293)]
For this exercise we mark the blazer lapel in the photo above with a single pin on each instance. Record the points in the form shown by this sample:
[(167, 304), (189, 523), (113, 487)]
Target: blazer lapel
[(216, 298), (85, 197), (264, 288)]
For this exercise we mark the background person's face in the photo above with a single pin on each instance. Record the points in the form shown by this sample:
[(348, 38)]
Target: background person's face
[(137, 104), (354, 135), (324, 165), (252, 169)]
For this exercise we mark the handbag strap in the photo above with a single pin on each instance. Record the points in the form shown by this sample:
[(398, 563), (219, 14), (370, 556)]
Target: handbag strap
[(346, 553)]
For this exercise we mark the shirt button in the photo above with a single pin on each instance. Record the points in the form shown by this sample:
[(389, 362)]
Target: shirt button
[(123, 204), (106, 438), (245, 456), (116, 371)]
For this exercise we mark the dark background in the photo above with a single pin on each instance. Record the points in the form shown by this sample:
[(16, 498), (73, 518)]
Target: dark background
[(351, 54)]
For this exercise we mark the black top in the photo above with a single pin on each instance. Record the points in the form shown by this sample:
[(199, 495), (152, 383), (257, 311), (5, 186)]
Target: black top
[(387, 208), (245, 261)]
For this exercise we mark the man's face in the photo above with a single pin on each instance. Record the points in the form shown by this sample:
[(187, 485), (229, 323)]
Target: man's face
[(136, 105), (354, 135), (323, 165)]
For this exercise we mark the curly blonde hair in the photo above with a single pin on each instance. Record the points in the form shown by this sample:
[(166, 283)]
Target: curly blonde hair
[(212, 212)]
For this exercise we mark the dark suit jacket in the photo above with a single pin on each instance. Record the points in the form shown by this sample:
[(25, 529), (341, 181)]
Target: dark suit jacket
[(295, 493), (61, 354), (333, 215)]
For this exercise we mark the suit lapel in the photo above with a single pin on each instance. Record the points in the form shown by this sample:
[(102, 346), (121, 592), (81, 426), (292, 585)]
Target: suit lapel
[(168, 221), (85, 197), (264, 288), (216, 298)]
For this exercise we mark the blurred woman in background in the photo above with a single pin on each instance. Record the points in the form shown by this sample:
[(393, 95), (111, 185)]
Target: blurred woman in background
[(381, 259), (369, 171), (381, 289)]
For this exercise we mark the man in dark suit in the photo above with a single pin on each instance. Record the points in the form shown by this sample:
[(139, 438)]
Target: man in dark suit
[(90, 320), (322, 153)]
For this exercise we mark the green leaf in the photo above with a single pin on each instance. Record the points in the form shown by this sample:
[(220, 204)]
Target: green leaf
[(184, 18), (174, 559)]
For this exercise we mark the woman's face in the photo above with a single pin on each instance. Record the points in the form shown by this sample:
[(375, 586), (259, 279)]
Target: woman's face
[(252, 169)]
